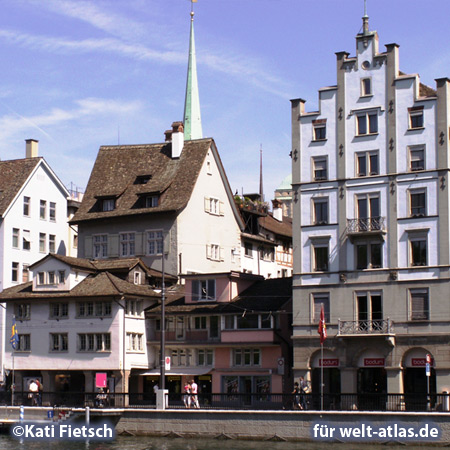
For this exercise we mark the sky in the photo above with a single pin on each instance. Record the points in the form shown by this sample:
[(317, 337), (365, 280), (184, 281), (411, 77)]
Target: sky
[(78, 74)]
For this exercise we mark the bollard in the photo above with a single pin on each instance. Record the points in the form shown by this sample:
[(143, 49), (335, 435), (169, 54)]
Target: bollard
[(87, 415), (445, 401), (21, 414)]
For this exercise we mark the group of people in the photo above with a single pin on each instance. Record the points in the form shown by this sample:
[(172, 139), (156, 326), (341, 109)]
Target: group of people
[(35, 392), (191, 394), (300, 389)]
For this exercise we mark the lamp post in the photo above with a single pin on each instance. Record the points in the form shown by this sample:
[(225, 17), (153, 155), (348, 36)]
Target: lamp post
[(163, 327)]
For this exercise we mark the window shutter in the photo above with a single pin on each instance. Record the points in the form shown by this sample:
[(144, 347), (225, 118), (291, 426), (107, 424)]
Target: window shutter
[(207, 206), (113, 244), (139, 247), (221, 208), (88, 247), (222, 254)]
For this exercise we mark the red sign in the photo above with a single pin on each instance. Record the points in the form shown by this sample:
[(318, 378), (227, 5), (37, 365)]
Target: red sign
[(101, 380), (329, 362), (421, 362), (428, 358), (373, 362)]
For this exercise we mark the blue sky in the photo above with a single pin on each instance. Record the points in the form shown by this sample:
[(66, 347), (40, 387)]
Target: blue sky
[(78, 74)]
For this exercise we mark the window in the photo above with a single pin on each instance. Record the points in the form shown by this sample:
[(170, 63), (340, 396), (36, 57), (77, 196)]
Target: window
[(203, 290), (26, 206), (52, 212), (25, 273), (155, 242), (246, 357), (59, 310), (41, 278), (246, 321), (367, 164), (248, 249), (267, 254), (108, 204), (368, 212), (415, 117), (319, 130), (51, 278), (94, 309), (418, 250), (137, 277), (366, 87), (420, 305), (15, 272), (214, 252), (417, 199), (133, 308), (100, 246), (24, 344), (370, 311), (416, 159), (367, 123), (26, 240), (142, 179), (61, 276), (321, 300), (43, 209), (134, 342), (15, 237), (42, 242), (214, 206), (94, 342), (127, 244), (22, 311), (52, 243), (59, 342), (368, 255), (205, 357), (320, 168), (320, 211), (320, 256), (200, 323), (151, 201)]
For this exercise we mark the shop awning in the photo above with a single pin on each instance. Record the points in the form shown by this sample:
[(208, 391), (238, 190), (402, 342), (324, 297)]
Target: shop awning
[(194, 371)]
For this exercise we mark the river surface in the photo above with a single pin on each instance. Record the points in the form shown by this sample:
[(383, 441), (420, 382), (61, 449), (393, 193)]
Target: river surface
[(151, 443)]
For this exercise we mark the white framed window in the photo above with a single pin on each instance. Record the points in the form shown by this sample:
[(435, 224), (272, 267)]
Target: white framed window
[(248, 249), (320, 211), (100, 244), (320, 254), (214, 252), (214, 206), (418, 249), (15, 272), (369, 255), (155, 242), (419, 304), (366, 123), (108, 204), (42, 243), (25, 273), (417, 202), (24, 343), (366, 87), (51, 278), (59, 342), (41, 278), (204, 290), (319, 300), (52, 243), (94, 342), (94, 309), (267, 254), (416, 117), (151, 201), (43, 209), (416, 158), (134, 342), (52, 211), (246, 357), (26, 206), (61, 276), (369, 310), (137, 277), (26, 240), (319, 130), (15, 237), (320, 171), (134, 308), (22, 311), (127, 244), (59, 310), (205, 357), (367, 164)]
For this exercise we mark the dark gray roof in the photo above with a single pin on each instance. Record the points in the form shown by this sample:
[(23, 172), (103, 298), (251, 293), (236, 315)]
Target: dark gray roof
[(117, 168)]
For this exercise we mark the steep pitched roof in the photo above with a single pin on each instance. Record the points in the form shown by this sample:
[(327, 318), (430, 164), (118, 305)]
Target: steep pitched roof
[(283, 228), (13, 175), (115, 175)]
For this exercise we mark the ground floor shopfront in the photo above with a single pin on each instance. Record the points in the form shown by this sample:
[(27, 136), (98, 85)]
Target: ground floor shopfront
[(373, 366)]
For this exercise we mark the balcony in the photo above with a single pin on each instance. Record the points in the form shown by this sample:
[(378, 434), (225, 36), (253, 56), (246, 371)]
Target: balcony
[(365, 327), (368, 226)]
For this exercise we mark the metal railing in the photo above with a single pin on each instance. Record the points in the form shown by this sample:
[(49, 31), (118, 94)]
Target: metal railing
[(381, 326), (239, 401), (363, 225)]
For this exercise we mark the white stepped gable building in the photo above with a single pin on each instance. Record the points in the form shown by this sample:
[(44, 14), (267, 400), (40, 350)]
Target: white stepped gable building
[(370, 173)]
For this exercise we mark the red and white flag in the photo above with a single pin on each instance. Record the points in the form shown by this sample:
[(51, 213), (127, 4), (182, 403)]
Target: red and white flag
[(322, 327)]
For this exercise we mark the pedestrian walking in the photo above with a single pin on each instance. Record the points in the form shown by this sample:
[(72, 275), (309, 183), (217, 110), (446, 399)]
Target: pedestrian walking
[(296, 393), (303, 390), (187, 394)]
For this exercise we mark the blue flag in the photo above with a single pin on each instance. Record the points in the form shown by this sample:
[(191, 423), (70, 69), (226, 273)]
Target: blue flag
[(14, 335)]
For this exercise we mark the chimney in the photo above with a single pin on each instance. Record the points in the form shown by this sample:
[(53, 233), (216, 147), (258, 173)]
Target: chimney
[(277, 210), (31, 148), (177, 139)]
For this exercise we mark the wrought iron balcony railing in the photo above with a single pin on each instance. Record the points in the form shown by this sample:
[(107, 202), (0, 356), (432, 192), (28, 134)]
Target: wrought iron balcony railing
[(381, 326), (367, 224)]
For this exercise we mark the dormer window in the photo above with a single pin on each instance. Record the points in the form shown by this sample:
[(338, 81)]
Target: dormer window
[(108, 204), (142, 179), (151, 201)]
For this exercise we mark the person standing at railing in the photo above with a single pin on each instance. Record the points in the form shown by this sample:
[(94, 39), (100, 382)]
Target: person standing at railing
[(296, 393), (303, 390), (187, 394), (194, 391)]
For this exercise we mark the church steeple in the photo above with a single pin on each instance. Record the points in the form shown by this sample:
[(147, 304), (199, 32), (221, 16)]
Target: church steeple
[(192, 118)]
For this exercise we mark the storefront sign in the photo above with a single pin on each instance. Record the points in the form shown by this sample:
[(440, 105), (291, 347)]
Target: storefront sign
[(373, 362), (100, 380), (420, 362), (329, 362)]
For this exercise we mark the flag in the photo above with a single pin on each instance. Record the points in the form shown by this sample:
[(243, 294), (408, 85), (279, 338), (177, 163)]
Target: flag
[(322, 327), (14, 335)]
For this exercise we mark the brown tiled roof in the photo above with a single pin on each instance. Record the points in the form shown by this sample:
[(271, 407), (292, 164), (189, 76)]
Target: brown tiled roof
[(424, 90), (13, 175), (79, 263), (103, 284), (283, 228), (117, 167)]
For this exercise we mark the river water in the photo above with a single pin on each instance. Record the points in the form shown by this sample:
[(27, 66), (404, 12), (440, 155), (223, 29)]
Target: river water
[(151, 443)]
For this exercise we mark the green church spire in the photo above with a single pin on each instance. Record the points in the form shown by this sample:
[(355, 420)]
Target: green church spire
[(192, 118)]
